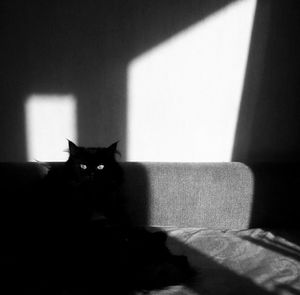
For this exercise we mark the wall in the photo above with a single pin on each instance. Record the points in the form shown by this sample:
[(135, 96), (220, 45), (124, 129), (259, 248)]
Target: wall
[(64, 47), (81, 48), (84, 47), (268, 127)]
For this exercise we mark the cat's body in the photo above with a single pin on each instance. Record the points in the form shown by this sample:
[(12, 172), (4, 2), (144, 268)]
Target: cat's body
[(85, 235)]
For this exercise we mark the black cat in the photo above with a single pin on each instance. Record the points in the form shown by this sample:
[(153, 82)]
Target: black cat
[(87, 184), (87, 238)]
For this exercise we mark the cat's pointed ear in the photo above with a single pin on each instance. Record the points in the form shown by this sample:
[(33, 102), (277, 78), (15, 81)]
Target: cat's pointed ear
[(113, 148), (73, 148)]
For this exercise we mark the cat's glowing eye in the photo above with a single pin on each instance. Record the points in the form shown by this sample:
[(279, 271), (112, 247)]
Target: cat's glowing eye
[(100, 167), (83, 166)]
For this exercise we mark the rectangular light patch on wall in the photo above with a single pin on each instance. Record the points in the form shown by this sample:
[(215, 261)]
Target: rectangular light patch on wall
[(50, 121)]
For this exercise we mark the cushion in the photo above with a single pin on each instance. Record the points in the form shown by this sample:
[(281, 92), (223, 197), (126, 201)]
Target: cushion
[(253, 261)]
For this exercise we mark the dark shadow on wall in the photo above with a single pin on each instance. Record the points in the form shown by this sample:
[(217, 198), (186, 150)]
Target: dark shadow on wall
[(267, 136), (268, 125), (276, 197), (81, 48)]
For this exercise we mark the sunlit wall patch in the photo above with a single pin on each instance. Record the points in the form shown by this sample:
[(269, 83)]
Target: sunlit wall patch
[(50, 121), (184, 95)]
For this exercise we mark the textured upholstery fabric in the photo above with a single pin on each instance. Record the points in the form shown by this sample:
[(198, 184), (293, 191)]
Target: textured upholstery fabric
[(229, 262), (213, 195)]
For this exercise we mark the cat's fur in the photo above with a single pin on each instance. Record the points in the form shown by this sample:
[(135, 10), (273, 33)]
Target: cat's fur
[(88, 184), (83, 232)]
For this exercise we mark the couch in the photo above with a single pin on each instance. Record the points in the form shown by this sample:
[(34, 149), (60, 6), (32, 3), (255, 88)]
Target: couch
[(236, 223)]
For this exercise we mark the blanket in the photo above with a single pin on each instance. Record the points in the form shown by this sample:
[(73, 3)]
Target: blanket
[(252, 261)]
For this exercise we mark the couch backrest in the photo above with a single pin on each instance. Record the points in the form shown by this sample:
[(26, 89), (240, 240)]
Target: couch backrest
[(214, 195)]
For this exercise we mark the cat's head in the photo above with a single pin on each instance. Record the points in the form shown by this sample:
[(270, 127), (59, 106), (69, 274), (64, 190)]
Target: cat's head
[(93, 163)]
